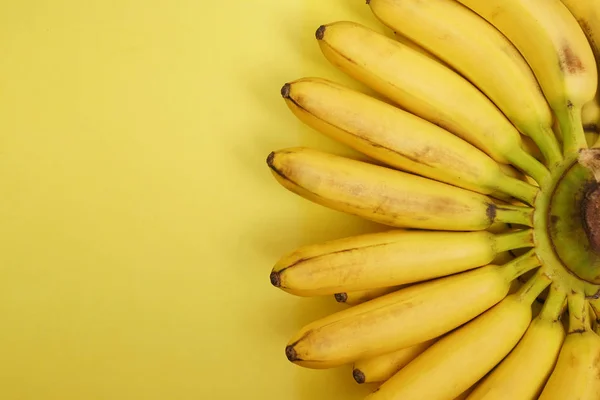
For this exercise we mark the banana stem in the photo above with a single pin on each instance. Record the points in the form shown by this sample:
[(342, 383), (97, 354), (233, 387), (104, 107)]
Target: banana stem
[(571, 127), (554, 305), (528, 164), (546, 141), (533, 287), (514, 214), (578, 313), (522, 264), (514, 240), (516, 188)]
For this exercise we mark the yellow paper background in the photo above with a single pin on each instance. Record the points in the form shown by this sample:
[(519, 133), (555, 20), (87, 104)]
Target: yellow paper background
[(138, 219)]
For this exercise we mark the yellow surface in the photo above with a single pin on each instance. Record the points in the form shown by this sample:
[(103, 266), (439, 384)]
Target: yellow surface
[(138, 219)]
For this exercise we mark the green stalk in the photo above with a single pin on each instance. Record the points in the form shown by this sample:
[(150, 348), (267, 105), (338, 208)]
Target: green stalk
[(522, 264), (516, 188), (514, 240), (514, 215), (578, 313), (546, 140), (571, 127), (533, 287), (554, 305), (528, 164)]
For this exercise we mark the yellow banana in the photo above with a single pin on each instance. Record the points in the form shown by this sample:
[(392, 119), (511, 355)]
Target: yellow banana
[(360, 296), (398, 138), (427, 89), (577, 371), (404, 318), (388, 259), (458, 360), (386, 196), (523, 374), (463, 39), (383, 367), (551, 41), (587, 14)]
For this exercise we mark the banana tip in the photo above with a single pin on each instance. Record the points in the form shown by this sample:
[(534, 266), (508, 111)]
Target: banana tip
[(275, 279), (290, 353), (270, 159), (320, 32), (285, 91), (368, 2), (358, 375), (341, 297)]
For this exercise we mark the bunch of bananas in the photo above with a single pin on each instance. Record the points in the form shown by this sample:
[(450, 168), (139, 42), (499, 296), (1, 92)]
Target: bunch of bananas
[(485, 164)]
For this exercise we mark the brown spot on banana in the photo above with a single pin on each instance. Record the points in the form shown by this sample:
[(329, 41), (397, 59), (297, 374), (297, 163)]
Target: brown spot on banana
[(341, 297), (569, 61), (358, 375)]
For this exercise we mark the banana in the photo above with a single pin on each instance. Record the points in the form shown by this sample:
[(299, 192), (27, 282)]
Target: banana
[(427, 89), (404, 318), (391, 258), (383, 367), (462, 39), (551, 41), (458, 360), (577, 371), (522, 375), (398, 138), (360, 296), (587, 14), (386, 196)]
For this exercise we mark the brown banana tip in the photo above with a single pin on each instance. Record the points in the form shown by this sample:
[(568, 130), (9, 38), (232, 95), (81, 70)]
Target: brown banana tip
[(275, 279), (290, 353), (320, 32), (285, 91), (358, 375), (270, 159), (341, 297), (368, 2)]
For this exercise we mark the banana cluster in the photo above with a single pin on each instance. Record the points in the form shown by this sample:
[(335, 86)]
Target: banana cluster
[(483, 108)]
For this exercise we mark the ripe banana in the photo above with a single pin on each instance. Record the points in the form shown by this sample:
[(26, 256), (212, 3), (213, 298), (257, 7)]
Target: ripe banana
[(389, 258), (587, 14), (360, 296), (522, 375), (427, 89), (551, 41), (398, 138), (458, 360), (386, 196), (404, 318), (577, 371), (463, 39), (383, 367)]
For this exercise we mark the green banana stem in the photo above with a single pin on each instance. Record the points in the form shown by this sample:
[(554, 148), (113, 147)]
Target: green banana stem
[(548, 144), (522, 264), (517, 188), (533, 287), (554, 305), (571, 127), (514, 214), (528, 164), (514, 240), (578, 313)]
